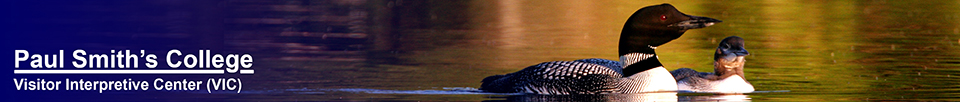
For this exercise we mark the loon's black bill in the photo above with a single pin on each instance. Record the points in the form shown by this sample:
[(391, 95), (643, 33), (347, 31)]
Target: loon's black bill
[(733, 53), (696, 22), (742, 52)]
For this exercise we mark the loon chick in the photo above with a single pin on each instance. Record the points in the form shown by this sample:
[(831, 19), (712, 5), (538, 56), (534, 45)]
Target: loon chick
[(646, 29), (727, 67)]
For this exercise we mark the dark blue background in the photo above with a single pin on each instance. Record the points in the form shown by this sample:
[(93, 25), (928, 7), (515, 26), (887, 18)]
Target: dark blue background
[(97, 26)]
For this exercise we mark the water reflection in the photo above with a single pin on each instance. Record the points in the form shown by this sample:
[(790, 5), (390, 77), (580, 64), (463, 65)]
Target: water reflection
[(520, 97), (721, 97), (640, 97)]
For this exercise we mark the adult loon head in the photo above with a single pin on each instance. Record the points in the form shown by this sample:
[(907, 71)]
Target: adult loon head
[(646, 29), (727, 76), (650, 27)]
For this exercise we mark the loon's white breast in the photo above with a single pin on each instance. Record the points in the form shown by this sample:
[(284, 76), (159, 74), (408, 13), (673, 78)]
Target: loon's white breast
[(655, 80), (732, 84)]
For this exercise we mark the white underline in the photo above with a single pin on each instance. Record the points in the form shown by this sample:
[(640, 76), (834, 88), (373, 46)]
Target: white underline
[(212, 71), (246, 71)]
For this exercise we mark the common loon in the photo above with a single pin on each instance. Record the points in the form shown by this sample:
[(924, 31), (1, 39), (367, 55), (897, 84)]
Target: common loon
[(646, 29), (727, 67)]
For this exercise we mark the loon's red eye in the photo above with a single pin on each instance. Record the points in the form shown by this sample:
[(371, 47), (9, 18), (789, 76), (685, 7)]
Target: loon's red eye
[(663, 17)]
